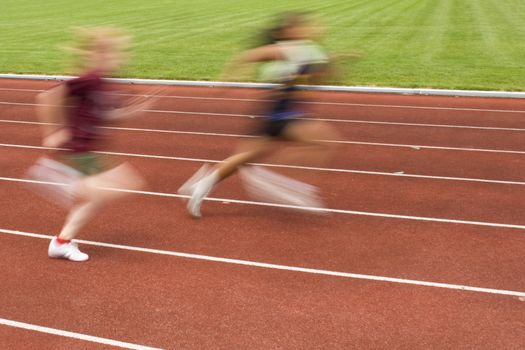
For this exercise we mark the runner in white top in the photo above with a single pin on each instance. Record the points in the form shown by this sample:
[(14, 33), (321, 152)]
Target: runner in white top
[(292, 58)]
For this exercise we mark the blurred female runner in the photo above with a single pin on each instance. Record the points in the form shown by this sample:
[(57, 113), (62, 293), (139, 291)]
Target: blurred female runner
[(293, 57), (74, 112)]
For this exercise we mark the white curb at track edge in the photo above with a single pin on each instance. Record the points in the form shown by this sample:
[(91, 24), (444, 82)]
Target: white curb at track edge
[(359, 89)]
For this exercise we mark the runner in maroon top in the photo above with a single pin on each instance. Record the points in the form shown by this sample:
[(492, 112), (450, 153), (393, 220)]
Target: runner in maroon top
[(76, 128), (94, 101)]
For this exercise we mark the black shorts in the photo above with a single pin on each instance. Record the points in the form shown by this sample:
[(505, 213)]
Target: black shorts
[(275, 128)]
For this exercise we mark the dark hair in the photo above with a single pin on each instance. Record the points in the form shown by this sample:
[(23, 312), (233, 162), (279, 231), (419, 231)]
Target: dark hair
[(284, 21)]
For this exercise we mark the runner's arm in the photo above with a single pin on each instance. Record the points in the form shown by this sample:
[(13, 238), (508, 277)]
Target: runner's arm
[(238, 68), (51, 112)]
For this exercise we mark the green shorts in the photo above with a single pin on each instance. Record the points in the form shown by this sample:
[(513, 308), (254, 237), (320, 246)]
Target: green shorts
[(86, 163)]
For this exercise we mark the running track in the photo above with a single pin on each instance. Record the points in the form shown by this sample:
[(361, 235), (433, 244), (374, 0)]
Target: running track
[(421, 247)]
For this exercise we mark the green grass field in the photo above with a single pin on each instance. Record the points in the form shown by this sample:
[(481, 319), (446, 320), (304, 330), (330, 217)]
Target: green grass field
[(467, 44)]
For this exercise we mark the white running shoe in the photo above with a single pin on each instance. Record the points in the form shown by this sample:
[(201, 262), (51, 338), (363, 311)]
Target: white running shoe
[(65, 251), (189, 186), (200, 191)]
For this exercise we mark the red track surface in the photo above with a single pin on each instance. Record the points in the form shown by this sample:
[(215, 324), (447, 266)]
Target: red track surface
[(178, 303)]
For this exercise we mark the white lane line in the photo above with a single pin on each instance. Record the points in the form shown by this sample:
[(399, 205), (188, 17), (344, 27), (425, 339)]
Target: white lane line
[(149, 110), (264, 265), (379, 144), (350, 104), (74, 335), (334, 120), (167, 131), (161, 131), (295, 207), (24, 90), (418, 147), (448, 126), (284, 166)]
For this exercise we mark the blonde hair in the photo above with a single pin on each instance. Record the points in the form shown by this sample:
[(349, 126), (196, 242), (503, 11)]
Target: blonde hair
[(90, 40)]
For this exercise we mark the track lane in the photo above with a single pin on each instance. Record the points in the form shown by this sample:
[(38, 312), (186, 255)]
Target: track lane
[(445, 164), (439, 162), (355, 132), (441, 252), (332, 114), (383, 107), (237, 307), (378, 194)]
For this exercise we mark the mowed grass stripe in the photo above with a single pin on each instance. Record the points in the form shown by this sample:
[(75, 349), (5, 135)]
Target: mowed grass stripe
[(473, 44), (487, 27), (433, 33), (503, 20)]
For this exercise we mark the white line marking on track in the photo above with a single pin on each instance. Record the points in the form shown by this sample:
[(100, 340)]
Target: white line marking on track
[(22, 90), (464, 109), (353, 121), (284, 166), (343, 142), (282, 267), (419, 147), (450, 126), (447, 126), (74, 335), (295, 207)]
